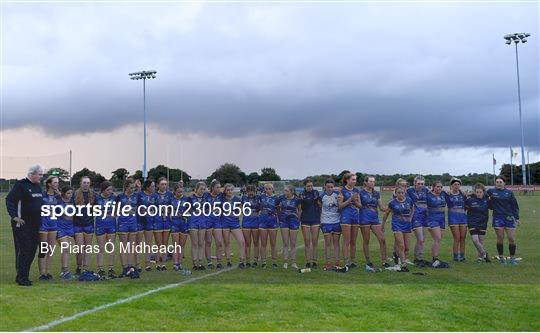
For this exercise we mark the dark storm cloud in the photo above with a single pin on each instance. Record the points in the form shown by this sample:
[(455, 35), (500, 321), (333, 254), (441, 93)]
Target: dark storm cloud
[(340, 73)]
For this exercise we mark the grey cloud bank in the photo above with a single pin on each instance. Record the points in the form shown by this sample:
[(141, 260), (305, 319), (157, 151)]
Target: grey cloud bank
[(428, 76)]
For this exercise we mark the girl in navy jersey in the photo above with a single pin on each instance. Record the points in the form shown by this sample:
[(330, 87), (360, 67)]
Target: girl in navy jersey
[(197, 225), (477, 218), (310, 208), (289, 211), (179, 225), (128, 227), (105, 226), (349, 203), (268, 223), (457, 219), (230, 224), (400, 183), (83, 224), (330, 226), (214, 198), (250, 224), (505, 218), (401, 207), (48, 227), (369, 221), (162, 222), (145, 199), (436, 204), (418, 194), (66, 232)]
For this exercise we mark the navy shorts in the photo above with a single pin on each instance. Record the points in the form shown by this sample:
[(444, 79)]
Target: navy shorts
[(289, 222), (250, 222), (127, 227), (500, 221), (198, 223), (145, 223), (436, 221), (229, 223), (350, 219), (48, 225), (457, 218), (401, 226), (419, 221), (331, 228), (179, 226), (368, 217), (268, 222), (87, 229), (311, 223), (161, 224), (65, 229), (106, 226)]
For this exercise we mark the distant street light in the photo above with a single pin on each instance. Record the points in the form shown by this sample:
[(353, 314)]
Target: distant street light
[(144, 75), (516, 38)]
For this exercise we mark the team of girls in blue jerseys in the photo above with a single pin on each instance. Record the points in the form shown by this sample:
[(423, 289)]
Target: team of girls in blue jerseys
[(339, 212)]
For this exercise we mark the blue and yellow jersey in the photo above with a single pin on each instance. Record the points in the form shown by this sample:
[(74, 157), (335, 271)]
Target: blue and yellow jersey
[(130, 201), (179, 207), (436, 205), (269, 204), (102, 201), (370, 204), (254, 203), (288, 207), (162, 199), (232, 216), (401, 210), (419, 198)]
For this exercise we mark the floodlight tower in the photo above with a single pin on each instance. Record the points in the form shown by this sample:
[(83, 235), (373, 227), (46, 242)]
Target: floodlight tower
[(144, 75), (517, 38)]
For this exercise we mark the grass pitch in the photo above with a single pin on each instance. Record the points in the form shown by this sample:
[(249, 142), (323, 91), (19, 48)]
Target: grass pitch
[(469, 296)]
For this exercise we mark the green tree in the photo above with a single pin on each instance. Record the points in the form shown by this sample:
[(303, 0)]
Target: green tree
[(62, 174), (138, 175), (269, 174), (252, 178), (228, 173), (174, 174), (95, 178)]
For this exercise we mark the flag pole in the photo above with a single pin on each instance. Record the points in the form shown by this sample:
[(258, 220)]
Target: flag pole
[(494, 162), (511, 167)]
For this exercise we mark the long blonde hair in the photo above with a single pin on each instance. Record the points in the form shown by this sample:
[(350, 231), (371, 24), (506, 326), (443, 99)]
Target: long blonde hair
[(79, 196)]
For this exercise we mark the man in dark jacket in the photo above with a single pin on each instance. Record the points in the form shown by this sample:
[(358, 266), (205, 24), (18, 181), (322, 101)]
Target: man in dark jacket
[(24, 207)]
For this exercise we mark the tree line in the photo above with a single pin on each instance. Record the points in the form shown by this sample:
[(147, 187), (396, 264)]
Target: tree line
[(231, 173)]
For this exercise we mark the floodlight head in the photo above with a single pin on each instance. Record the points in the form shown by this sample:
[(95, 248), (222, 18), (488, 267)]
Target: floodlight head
[(524, 40), (508, 42), (527, 34)]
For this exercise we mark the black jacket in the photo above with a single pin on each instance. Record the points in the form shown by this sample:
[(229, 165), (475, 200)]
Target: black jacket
[(24, 201)]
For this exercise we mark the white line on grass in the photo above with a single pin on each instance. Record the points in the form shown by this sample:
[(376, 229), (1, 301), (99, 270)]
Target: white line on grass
[(124, 300), (131, 298)]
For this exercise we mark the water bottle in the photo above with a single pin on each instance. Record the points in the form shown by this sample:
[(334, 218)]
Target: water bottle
[(304, 270)]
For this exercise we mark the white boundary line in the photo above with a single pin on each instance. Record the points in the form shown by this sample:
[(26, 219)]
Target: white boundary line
[(134, 297), (124, 300)]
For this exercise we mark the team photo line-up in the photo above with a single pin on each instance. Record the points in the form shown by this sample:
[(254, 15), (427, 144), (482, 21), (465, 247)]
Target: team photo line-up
[(339, 212)]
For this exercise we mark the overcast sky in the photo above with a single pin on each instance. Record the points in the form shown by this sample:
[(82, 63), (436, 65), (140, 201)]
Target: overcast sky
[(306, 88)]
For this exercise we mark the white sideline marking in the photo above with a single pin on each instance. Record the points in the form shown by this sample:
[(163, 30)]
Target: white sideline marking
[(134, 297), (124, 300)]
